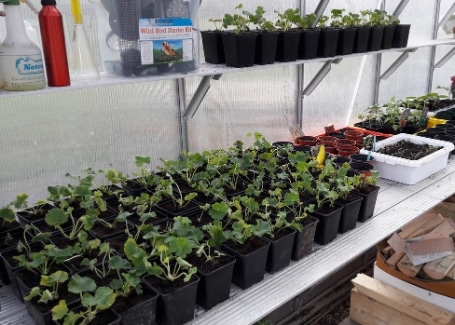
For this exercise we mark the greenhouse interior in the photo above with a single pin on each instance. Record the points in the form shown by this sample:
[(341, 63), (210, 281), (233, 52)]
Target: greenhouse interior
[(111, 109)]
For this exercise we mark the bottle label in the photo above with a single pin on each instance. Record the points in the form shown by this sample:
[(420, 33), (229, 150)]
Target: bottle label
[(18, 71)]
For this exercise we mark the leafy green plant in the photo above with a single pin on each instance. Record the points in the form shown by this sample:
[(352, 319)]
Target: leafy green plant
[(217, 23), (41, 262), (7, 213), (49, 290), (336, 18), (259, 20), (322, 22), (93, 299), (287, 19), (306, 21), (239, 21)]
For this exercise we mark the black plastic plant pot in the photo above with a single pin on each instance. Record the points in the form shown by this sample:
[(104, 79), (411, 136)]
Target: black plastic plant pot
[(27, 216), (308, 44), (280, 250), (328, 42), (170, 209), (346, 40), (212, 44), (361, 39), (250, 261), (266, 47), (329, 221), (350, 213), (387, 37), (370, 196), (216, 278), (401, 35), (288, 45), (138, 309), (177, 300), (375, 39), (361, 157), (42, 312), (239, 49), (303, 241)]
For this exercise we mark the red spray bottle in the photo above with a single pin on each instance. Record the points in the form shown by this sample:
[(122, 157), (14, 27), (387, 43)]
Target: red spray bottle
[(54, 48)]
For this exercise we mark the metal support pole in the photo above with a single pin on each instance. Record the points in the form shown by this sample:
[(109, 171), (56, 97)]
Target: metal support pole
[(198, 96), (399, 9), (300, 80), (319, 11), (319, 77), (398, 62), (183, 131), (433, 49)]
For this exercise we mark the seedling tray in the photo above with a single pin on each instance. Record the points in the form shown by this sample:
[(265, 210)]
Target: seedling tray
[(410, 171)]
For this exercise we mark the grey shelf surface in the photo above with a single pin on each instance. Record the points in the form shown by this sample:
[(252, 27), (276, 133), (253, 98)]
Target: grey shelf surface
[(207, 69), (397, 204)]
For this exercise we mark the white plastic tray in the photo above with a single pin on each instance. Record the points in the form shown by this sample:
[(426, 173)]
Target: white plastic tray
[(410, 171)]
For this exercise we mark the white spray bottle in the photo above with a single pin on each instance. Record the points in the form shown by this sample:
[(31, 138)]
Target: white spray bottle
[(21, 61)]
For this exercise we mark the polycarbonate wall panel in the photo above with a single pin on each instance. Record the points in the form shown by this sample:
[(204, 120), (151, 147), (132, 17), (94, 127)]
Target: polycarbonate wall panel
[(257, 101), (413, 76), (261, 101), (43, 137), (441, 76), (349, 86)]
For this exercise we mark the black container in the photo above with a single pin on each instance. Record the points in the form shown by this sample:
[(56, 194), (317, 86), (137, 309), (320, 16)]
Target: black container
[(308, 44), (280, 250), (387, 37), (401, 35), (249, 267), (328, 42), (375, 39), (266, 47), (215, 284), (239, 49), (144, 313), (212, 44), (370, 196), (346, 40), (288, 45), (362, 37), (329, 221), (349, 214), (303, 241), (175, 307)]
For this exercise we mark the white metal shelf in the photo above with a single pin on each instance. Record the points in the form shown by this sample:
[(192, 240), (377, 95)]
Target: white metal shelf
[(397, 204), (207, 69)]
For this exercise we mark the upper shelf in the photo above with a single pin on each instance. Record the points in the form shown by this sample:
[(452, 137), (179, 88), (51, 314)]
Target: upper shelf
[(206, 69)]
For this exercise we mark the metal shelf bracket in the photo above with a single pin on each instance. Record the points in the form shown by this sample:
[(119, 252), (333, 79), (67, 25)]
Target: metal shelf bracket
[(319, 77), (399, 61), (447, 16), (319, 11), (199, 96), (399, 9), (445, 58)]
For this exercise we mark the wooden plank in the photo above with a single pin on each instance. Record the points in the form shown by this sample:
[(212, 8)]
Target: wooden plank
[(402, 301), (416, 223), (406, 267), (368, 311), (447, 209), (446, 228), (439, 268), (428, 226), (425, 224)]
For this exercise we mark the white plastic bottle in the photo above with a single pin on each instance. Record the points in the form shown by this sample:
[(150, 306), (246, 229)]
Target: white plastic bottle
[(21, 61)]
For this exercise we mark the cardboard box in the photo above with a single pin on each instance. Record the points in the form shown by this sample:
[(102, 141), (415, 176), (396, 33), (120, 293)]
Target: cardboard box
[(424, 294), (443, 287)]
